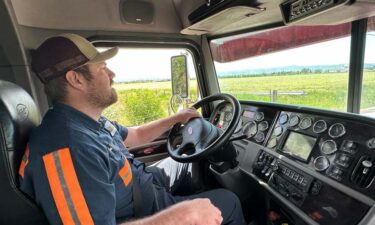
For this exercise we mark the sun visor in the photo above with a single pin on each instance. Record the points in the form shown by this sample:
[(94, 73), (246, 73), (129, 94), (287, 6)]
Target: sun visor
[(216, 15)]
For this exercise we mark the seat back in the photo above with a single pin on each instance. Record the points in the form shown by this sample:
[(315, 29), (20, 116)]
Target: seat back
[(18, 115)]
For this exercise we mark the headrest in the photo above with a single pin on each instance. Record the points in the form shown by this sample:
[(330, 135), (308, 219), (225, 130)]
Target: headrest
[(18, 115)]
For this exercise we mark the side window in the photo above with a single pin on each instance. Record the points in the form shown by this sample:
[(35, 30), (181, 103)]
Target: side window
[(368, 83), (143, 84), (300, 65)]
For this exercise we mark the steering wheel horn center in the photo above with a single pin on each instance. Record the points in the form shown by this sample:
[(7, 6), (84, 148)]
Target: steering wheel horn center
[(199, 137)]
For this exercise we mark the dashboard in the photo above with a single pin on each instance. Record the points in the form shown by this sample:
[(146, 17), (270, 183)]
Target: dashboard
[(318, 164)]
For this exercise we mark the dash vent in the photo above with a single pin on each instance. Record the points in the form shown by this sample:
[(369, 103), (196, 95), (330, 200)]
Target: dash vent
[(364, 172)]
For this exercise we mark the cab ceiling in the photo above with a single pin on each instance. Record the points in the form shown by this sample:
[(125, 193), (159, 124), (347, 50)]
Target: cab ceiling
[(91, 15), (170, 16)]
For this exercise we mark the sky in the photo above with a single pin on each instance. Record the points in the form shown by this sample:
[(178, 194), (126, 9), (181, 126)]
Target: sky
[(148, 64)]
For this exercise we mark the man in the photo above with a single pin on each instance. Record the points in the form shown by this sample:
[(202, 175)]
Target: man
[(76, 166)]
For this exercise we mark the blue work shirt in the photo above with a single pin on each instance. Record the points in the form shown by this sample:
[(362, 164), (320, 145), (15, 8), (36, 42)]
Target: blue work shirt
[(79, 171)]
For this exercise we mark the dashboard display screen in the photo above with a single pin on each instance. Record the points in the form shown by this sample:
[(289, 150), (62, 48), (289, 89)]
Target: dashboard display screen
[(249, 114), (299, 145)]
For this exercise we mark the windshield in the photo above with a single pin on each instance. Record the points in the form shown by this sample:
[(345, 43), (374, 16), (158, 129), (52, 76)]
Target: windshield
[(300, 65)]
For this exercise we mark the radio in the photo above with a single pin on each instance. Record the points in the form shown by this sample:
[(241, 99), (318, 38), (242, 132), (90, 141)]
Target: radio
[(299, 9), (293, 185)]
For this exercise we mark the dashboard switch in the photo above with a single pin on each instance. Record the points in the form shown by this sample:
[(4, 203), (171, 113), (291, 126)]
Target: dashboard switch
[(268, 173), (316, 188), (343, 160)]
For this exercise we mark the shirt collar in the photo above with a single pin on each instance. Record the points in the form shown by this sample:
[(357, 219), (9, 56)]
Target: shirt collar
[(78, 116)]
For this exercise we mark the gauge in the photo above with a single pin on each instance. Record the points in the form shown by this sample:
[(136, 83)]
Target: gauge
[(228, 108), (321, 163), (262, 126), (259, 116), (259, 137), (336, 130), (225, 125), (320, 126), (250, 129), (228, 116), (293, 121), (278, 131), (305, 123), (272, 143), (283, 118), (328, 147)]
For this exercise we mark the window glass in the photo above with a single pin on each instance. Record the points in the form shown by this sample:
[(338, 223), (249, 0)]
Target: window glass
[(143, 84), (368, 83), (300, 65)]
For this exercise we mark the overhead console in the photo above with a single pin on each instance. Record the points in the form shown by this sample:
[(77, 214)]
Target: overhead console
[(299, 9), (294, 10), (319, 12), (217, 14), (224, 16)]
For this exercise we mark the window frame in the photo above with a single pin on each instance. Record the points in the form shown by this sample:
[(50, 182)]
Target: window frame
[(162, 42)]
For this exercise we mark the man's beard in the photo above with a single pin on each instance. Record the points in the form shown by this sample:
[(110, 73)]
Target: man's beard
[(98, 99)]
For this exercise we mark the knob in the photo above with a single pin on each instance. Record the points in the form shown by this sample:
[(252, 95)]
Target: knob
[(367, 164)]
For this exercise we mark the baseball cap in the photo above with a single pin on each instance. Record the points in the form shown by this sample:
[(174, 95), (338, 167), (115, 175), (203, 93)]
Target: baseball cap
[(59, 54)]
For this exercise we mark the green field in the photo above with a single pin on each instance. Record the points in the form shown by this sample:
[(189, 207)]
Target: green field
[(142, 102)]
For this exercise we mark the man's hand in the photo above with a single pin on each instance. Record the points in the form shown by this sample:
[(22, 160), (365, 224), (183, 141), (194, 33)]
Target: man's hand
[(199, 211), (183, 116)]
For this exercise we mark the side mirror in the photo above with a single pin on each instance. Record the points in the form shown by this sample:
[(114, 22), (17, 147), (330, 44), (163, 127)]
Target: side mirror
[(179, 75)]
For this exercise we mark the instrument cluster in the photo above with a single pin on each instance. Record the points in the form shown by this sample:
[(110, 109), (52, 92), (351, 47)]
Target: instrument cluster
[(337, 148), (255, 122)]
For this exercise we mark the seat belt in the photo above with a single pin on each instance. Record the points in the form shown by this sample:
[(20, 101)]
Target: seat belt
[(137, 197)]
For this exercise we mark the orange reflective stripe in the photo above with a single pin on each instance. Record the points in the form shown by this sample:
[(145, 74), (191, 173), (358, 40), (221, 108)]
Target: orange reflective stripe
[(74, 187), (57, 191), (126, 173), (24, 162), (65, 188)]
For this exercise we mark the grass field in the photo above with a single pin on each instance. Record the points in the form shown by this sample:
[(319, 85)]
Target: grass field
[(328, 90)]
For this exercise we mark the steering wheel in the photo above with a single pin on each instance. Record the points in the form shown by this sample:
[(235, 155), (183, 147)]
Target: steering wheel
[(198, 137)]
